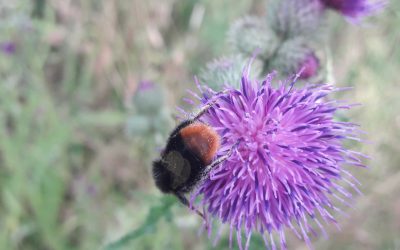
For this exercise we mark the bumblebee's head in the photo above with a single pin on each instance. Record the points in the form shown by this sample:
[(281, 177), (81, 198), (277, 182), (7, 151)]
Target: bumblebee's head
[(162, 177)]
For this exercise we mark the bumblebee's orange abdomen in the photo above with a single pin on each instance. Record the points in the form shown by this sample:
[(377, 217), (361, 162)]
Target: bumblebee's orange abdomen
[(202, 140)]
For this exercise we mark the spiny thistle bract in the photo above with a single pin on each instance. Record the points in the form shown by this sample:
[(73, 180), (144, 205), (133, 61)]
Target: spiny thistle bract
[(287, 167), (225, 71), (222, 71), (354, 10)]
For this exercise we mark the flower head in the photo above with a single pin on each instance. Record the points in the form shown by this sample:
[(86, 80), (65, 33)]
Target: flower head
[(284, 173), (252, 33), (225, 70), (355, 9), (8, 48), (309, 66), (295, 55), (148, 98), (290, 19), (145, 85)]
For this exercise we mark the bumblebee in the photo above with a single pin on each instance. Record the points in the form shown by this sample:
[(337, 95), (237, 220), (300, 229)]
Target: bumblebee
[(188, 157)]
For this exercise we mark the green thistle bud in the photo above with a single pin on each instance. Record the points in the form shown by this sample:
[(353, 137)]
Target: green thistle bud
[(219, 72), (250, 34), (149, 98), (226, 70), (138, 125), (292, 56), (152, 120), (162, 123), (293, 18)]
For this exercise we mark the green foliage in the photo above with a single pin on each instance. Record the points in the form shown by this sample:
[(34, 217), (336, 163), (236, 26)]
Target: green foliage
[(149, 225), (33, 142)]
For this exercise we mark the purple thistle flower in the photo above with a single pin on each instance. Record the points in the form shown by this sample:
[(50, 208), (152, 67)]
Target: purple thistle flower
[(8, 48), (286, 170), (355, 9), (309, 66), (145, 85)]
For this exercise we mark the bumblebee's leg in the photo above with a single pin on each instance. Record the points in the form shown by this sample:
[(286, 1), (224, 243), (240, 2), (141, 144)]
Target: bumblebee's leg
[(207, 107), (202, 111), (185, 202), (219, 160), (215, 163)]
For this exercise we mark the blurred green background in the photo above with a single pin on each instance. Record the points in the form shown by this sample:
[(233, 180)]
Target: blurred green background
[(75, 150)]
